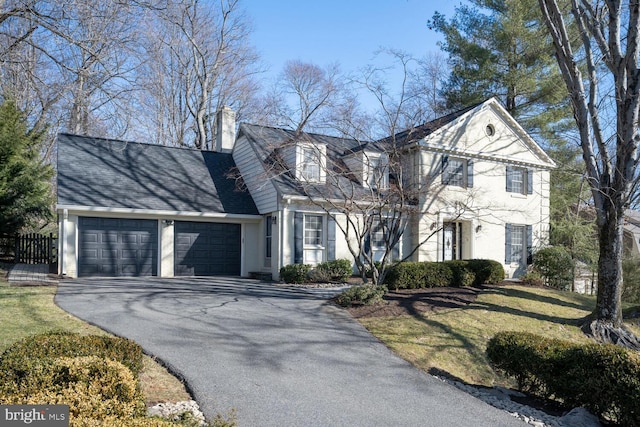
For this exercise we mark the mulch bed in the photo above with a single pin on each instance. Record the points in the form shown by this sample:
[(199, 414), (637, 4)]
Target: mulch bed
[(417, 301)]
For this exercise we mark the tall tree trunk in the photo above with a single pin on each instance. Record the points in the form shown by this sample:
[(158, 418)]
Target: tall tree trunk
[(608, 306)]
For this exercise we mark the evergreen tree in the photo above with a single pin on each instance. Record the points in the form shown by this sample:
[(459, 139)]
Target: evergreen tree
[(25, 183), (499, 48)]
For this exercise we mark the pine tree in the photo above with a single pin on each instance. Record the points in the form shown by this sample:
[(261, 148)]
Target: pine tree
[(25, 183), (499, 48)]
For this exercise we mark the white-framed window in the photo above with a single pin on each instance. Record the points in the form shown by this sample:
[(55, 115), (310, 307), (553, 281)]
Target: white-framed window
[(457, 172), (311, 162), (377, 172), (518, 244), (378, 240), (518, 180), (314, 230)]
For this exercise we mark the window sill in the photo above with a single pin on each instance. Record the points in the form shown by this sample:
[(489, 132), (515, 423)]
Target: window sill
[(518, 195)]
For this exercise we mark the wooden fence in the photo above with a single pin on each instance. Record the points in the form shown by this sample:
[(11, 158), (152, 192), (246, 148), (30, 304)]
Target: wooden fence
[(31, 248)]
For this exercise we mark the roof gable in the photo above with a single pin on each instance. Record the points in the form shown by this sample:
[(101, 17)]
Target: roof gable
[(468, 134), (97, 172)]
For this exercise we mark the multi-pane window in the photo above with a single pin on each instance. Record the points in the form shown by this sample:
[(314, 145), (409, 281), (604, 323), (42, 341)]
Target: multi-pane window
[(377, 235), (518, 243), (310, 164), (455, 172), (377, 173), (516, 180), (313, 230)]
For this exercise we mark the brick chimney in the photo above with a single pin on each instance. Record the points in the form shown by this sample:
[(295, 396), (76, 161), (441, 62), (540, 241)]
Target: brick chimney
[(225, 130)]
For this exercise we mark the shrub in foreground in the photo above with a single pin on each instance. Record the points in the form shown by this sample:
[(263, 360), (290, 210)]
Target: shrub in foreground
[(90, 385), (603, 378), (361, 295), (17, 358)]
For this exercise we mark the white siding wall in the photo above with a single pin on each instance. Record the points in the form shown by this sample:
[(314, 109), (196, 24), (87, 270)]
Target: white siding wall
[(255, 178), (487, 203)]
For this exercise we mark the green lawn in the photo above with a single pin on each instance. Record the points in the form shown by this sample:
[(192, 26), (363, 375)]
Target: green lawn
[(454, 340)]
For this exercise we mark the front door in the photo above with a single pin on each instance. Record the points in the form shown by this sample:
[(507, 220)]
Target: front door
[(452, 240)]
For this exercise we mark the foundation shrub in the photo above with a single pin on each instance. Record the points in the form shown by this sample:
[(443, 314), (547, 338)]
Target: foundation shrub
[(295, 273), (362, 295), (461, 274), (486, 271), (417, 275), (16, 359), (603, 378), (332, 271)]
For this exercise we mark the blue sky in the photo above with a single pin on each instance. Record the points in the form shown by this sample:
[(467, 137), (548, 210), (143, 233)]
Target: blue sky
[(344, 31)]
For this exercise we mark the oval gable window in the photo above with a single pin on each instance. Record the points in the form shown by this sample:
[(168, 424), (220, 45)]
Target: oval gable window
[(490, 130)]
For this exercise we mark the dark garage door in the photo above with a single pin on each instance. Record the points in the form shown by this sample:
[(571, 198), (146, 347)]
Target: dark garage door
[(207, 249), (114, 247)]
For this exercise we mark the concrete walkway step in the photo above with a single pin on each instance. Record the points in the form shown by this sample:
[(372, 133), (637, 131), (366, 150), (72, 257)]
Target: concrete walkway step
[(31, 273)]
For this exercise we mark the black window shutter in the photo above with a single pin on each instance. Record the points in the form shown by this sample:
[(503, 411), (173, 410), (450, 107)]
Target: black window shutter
[(507, 243), (509, 185), (529, 244), (367, 244), (298, 235), (331, 238), (529, 181), (470, 173), (443, 166)]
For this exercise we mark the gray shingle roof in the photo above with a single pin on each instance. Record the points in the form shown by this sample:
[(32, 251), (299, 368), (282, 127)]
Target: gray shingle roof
[(268, 142), (119, 174)]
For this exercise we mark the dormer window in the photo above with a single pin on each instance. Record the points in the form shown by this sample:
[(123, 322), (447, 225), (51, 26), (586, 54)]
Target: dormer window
[(311, 161), (377, 171)]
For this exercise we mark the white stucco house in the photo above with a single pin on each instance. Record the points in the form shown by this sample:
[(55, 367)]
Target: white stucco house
[(270, 197)]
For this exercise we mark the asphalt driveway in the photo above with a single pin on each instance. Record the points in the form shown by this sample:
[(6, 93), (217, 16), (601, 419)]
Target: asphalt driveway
[(279, 356)]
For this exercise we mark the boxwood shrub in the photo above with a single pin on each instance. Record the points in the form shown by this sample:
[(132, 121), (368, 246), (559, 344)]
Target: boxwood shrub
[(338, 270), (486, 270), (361, 295), (603, 378), (91, 386), (415, 275), (64, 344), (294, 273), (461, 274)]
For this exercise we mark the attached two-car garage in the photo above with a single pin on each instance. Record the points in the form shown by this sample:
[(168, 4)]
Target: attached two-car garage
[(114, 247)]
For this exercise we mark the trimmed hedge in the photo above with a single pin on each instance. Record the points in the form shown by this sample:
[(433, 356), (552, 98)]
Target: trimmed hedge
[(416, 275), (603, 378), (338, 270), (64, 344)]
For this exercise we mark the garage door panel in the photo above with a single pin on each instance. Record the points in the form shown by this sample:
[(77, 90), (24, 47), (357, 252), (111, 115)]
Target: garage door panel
[(117, 247), (207, 249)]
